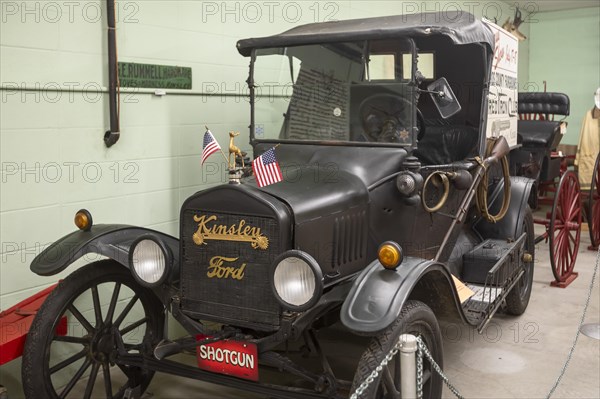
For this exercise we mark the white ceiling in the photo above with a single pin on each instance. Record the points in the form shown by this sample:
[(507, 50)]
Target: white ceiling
[(556, 5)]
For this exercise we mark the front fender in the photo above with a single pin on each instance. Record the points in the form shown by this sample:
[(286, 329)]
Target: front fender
[(378, 295), (110, 240)]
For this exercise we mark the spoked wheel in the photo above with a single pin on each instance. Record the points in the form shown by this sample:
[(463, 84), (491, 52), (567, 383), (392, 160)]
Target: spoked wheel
[(417, 319), (594, 206), (106, 310), (565, 227)]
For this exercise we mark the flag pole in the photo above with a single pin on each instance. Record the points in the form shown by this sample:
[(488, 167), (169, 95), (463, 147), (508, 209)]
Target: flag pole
[(220, 149)]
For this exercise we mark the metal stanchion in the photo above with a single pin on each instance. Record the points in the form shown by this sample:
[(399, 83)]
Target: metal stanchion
[(408, 366)]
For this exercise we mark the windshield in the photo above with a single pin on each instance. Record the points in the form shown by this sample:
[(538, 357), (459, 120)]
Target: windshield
[(360, 92)]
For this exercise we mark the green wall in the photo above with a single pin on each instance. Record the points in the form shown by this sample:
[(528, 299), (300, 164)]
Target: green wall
[(565, 52)]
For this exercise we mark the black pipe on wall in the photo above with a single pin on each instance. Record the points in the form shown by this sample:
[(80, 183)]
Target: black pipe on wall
[(112, 135)]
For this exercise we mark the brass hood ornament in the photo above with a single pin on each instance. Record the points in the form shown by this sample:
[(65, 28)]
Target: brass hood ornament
[(235, 172)]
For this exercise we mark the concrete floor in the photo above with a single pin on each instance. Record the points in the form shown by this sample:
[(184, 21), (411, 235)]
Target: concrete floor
[(515, 357)]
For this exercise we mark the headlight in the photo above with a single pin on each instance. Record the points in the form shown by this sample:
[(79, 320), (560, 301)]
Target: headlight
[(297, 280), (149, 260), (409, 183)]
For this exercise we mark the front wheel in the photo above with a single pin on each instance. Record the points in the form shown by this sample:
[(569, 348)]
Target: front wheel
[(105, 309), (417, 319)]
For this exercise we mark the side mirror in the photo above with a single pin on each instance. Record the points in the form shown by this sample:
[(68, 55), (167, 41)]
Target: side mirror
[(444, 98)]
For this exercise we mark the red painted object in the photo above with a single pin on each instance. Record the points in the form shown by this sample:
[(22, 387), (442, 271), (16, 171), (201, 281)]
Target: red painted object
[(565, 229), (235, 358), (16, 321)]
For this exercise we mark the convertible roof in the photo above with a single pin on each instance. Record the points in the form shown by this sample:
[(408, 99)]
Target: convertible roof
[(461, 27)]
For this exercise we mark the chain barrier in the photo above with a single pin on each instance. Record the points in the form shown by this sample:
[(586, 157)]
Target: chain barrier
[(422, 351)]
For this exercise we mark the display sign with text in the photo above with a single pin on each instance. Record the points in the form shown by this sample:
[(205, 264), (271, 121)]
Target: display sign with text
[(132, 74), (504, 87)]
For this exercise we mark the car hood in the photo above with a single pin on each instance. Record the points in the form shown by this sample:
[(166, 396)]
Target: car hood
[(322, 181), (315, 191)]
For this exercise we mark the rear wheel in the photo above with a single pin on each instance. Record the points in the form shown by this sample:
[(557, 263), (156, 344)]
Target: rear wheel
[(417, 319), (104, 308), (518, 298)]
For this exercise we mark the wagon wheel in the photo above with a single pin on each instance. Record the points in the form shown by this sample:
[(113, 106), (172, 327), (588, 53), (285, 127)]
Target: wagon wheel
[(565, 227), (107, 310), (594, 206)]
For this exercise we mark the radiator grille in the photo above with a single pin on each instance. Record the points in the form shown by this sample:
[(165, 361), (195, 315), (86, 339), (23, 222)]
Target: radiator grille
[(244, 302)]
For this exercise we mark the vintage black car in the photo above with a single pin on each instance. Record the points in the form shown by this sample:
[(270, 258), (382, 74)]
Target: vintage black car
[(390, 191)]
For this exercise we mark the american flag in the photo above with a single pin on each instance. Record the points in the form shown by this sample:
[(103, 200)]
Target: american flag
[(266, 169), (210, 145)]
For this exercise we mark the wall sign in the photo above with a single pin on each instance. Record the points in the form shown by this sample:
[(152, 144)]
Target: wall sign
[(132, 74), (504, 88)]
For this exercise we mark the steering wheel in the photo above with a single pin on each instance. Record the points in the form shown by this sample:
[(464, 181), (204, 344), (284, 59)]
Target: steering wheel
[(384, 121)]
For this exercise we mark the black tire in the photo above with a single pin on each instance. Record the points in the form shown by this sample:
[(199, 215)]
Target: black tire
[(415, 318), (518, 298), (92, 336)]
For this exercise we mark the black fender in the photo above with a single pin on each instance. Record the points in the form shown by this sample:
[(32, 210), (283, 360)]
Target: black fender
[(511, 225), (378, 295), (110, 240)]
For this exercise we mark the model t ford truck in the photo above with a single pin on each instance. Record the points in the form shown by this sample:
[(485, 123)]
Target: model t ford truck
[(391, 195)]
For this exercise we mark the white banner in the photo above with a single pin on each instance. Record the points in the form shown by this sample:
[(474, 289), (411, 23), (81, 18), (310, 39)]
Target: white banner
[(504, 86)]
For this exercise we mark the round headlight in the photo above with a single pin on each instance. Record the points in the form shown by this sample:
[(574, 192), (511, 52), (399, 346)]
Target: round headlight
[(149, 261), (297, 280)]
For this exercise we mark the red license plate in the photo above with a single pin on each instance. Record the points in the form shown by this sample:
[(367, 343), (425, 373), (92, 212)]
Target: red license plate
[(235, 358)]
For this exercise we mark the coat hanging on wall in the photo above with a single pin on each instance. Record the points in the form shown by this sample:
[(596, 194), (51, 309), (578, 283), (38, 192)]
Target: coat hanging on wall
[(589, 144)]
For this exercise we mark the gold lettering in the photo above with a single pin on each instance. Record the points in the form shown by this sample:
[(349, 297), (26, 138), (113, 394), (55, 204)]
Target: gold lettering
[(240, 232), (217, 270)]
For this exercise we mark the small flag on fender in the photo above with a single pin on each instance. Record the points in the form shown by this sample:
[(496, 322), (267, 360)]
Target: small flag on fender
[(266, 169), (210, 145)]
